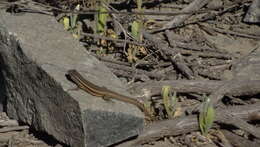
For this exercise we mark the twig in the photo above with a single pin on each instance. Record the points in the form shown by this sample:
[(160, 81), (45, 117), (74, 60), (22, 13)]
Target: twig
[(193, 6), (8, 123), (225, 31), (172, 51), (104, 59), (9, 129), (90, 11), (119, 24), (112, 39), (182, 67), (205, 18), (121, 73), (137, 71)]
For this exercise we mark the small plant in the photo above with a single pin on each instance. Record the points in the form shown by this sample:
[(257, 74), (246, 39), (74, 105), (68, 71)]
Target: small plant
[(137, 24), (206, 116), (136, 31), (101, 19), (71, 24), (101, 26), (148, 106), (169, 101)]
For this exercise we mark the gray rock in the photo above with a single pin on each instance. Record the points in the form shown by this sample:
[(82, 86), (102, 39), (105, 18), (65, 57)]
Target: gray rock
[(36, 87), (35, 98), (253, 13)]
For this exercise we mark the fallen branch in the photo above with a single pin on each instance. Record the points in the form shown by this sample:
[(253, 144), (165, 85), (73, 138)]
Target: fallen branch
[(238, 88), (5, 123), (188, 124), (9, 129)]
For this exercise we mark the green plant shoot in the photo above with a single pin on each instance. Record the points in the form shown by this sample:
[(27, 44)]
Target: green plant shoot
[(206, 116), (137, 24), (74, 18), (101, 19), (70, 23), (169, 101), (66, 23), (135, 30), (139, 5)]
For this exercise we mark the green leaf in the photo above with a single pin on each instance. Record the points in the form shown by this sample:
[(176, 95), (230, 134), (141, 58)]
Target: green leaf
[(135, 30), (101, 20), (169, 101), (206, 116), (210, 117), (139, 4), (66, 23), (74, 18)]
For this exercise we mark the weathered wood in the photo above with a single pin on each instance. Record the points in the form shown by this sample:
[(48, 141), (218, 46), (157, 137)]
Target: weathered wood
[(193, 6), (239, 88), (188, 124), (237, 140)]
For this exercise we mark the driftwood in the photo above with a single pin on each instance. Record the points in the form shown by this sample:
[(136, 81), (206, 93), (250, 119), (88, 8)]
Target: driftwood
[(10, 122), (188, 124), (8, 129), (239, 88), (163, 47), (237, 140), (193, 6), (177, 60)]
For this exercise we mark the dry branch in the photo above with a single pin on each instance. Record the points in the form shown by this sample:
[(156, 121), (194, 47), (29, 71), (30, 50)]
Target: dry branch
[(188, 124)]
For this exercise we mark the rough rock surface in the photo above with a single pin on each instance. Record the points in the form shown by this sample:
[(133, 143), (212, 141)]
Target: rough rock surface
[(35, 85), (253, 13)]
